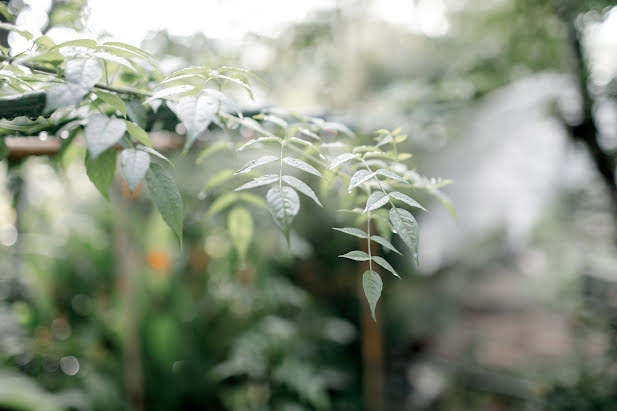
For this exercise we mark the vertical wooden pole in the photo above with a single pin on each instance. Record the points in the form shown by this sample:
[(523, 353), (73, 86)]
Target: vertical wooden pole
[(372, 347)]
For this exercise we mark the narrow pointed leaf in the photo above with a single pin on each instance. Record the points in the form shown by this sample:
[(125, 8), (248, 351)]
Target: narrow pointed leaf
[(113, 100), (256, 163), (372, 284), (171, 91), (356, 255), (384, 243), (356, 232), (259, 140), (101, 170), (222, 202), (212, 149), (359, 177), (302, 187), (391, 175), (166, 198), (385, 264), (155, 153), (138, 133), (240, 226), (134, 165), (284, 205), (259, 181), (342, 159), (407, 228), (376, 200), (302, 165), (406, 199), (102, 132)]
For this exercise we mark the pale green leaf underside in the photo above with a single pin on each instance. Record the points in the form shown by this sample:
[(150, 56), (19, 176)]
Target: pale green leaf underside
[(302, 187), (259, 181), (102, 132), (301, 165), (259, 140), (134, 165), (406, 199), (356, 255), (113, 100), (356, 232), (376, 200), (384, 243), (382, 262), (284, 205), (138, 133), (407, 228), (372, 285), (256, 163), (342, 159)]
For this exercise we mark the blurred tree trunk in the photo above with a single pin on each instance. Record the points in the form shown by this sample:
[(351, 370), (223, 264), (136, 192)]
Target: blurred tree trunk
[(128, 277)]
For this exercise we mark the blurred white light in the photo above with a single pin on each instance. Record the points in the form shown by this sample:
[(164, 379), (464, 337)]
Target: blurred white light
[(69, 365), (8, 234)]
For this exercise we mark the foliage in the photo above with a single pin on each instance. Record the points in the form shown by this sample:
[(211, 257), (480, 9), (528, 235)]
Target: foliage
[(107, 90)]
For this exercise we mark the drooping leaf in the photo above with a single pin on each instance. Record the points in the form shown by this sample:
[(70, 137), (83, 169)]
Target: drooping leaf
[(385, 243), (406, 199), (385, 264), (240, 226), (342, 159), (302, 165), (218, 178), (356, 255), (10, 27), (196, 114), (376, 200), (256, 163), (390, 174), (284, 205), (128, 47), (212, 149), (62, 95), (101, 170), (356, 232), (136, 112), (138, 133), (302, 142), (359, 177), (102, 132), (406, 227), (309, 133), (113, 100), (302, 187), (259, 140), (166, 198), (259, 181), (372, 284), (134, 165)]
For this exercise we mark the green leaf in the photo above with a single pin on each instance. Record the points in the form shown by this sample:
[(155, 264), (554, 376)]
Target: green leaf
[(254, 200), (171, 91), (128, 47), (391, 175), (44, 43), (302, 142), (240, 226), (102, 132), (309, 133), (137, 113), (356, 255), (407, 228), (372, 284), (101, 170), (342, 159), (134, 165), (212, 149), (222, 202), (62, 95), (284, 205), (445, 201), (7, 26), (196, 114), (301, 165), (87, 43), (385, 243), (259, 181), (356, 232), (155, 153), (219, 178), (166, 197), (359, 177), (259, 140), (406, 199), (302, 187), (113, 100), (256, 163), (138, 133), (376, 200), (385, 264), (4, 11)]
